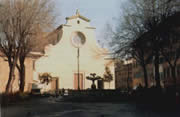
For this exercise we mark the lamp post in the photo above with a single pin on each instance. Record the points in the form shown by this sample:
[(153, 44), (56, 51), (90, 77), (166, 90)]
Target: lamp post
[(78, 40), (78, 66)]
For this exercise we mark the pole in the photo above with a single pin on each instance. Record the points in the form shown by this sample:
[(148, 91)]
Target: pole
[(78, 67), (0, 105)]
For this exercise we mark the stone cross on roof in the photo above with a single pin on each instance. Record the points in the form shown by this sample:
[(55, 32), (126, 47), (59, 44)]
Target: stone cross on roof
[(77, 16)]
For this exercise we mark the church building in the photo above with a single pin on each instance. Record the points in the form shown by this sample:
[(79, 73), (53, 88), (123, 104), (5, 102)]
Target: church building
[(73, 49)]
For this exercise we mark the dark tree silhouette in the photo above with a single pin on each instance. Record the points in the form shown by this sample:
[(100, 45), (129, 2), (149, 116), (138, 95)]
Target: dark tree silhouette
[(93, 78), (108, 77), (140, 33), (45, 78)]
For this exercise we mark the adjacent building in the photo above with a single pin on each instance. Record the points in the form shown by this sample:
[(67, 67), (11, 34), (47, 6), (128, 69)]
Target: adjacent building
[(135, 72), (123, 74), (4, 74)]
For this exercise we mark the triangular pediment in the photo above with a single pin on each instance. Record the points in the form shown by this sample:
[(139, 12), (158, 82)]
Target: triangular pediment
[(78, 16)]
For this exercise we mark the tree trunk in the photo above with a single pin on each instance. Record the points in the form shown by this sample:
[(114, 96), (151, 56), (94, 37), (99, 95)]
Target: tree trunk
[(12, 61), (11, 72), (22, 77), (173, 72), (145, 76), (93, 82), (157, 76)]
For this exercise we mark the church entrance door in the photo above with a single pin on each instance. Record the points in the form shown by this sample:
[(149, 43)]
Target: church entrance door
[(76, 81)]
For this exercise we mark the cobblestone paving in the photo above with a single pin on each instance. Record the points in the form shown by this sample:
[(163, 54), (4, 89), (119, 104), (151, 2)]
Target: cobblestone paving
[(49, 107)]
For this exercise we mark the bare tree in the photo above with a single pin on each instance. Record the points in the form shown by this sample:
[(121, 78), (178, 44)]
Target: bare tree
[(19, 27), (129, 37), (142, 21), (140, 51), (108, 77), (157, 14), (170, 49)]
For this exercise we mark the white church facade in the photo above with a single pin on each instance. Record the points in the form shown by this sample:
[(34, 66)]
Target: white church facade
[(74, 50)]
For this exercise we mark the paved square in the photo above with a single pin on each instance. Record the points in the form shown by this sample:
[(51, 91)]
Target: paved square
[(49, 107)]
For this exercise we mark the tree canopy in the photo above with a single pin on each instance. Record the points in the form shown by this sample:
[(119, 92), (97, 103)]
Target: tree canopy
[(145, 30), (20, 26)]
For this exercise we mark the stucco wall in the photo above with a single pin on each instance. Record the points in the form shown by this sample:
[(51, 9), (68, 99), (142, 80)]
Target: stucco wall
[(4, 75), (61, 59)]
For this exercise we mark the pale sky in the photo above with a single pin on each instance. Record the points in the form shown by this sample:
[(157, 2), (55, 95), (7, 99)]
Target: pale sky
[(98, 11)]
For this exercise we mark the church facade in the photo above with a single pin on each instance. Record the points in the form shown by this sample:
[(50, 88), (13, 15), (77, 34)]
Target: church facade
[(73, 49)]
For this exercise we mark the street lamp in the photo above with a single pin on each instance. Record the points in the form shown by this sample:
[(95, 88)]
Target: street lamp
[(78, 40), (78, 66), (128, 77)]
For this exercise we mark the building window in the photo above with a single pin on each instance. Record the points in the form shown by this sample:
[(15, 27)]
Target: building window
[(178, 70), (136, 65), (34, 65), (161, 75), (164, 73), (78, 39), (138, 75), (78, 22), (168, 72), (161, 60)]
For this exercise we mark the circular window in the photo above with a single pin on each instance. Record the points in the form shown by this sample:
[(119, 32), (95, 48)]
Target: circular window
[(78, 39)]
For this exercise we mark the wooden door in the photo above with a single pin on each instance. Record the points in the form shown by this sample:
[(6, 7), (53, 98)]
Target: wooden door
[(76, 81)]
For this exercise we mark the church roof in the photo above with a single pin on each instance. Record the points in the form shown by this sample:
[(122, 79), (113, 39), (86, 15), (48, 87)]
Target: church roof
[(78, 16)]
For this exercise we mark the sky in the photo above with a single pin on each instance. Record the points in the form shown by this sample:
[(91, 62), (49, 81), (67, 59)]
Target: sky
[(100, 12)]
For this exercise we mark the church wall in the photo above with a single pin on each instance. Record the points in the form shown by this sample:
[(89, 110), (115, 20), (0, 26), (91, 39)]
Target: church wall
[(4, 71), (29, 74), (61, 59), (74, 22)]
